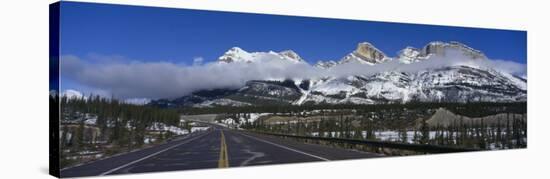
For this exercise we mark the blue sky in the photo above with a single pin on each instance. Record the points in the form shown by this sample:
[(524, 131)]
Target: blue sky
[(179, 35), (100, 33)]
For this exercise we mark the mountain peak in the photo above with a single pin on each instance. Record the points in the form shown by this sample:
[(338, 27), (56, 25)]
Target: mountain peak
[(236, 49), (365, 53), (440, 48), (291, 55), (235, 54), (367, 50), (409, 54)]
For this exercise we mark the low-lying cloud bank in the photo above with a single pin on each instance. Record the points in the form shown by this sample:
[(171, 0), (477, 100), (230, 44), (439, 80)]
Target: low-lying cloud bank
[(153, 80)]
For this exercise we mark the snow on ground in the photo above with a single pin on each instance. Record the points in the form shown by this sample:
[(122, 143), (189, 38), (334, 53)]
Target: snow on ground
[(255, 116), (149, 139), (228, 122), (163, 127), (392, 136), (90, 119), (221, 102), (242, 120)]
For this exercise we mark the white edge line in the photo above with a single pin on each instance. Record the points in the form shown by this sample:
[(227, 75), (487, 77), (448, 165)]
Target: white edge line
[(284, 147), (124, 153), (149, 156)]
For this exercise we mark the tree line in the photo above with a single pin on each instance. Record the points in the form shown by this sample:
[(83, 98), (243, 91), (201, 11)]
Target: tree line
[(118, 126), (411, 126), (472, 109)]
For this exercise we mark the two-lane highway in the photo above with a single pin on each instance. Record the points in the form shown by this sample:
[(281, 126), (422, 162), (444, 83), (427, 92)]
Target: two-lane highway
[(216, 148)]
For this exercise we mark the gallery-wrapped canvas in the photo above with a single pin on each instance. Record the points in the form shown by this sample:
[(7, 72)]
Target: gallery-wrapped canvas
[(138, 89)]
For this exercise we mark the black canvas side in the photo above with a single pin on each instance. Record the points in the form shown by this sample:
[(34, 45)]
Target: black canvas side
[(54, 90)]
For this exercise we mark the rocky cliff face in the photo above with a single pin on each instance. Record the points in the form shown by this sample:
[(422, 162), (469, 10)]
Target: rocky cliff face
[(365, 53), (368, 52), (443, 48)]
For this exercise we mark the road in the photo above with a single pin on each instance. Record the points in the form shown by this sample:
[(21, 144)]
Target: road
[(216, 148)]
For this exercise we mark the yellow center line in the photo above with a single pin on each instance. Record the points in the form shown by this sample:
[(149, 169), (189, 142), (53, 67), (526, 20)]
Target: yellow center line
[(224, 159)]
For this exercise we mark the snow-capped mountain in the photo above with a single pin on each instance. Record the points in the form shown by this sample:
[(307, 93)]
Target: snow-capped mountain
[(448, 84), (238, 55), (410, 55), (459, 83), (366, 53)]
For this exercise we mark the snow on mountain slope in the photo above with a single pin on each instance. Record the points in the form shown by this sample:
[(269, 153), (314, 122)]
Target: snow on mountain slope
[(335, 91), (461, 82), (449, 84), (446, 84), (238, 55), (521, 83), (305, 88), (390, 86), (409, 55), (365, 53)]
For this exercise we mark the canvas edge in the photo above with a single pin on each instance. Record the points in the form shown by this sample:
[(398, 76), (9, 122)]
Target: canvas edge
[(54, 18)]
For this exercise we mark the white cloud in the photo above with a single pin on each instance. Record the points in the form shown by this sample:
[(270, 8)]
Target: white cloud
[(135, 79)]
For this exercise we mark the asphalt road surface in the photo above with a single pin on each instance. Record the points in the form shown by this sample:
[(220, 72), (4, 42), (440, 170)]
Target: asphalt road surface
[(216, 148)]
